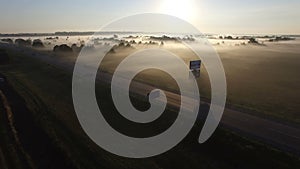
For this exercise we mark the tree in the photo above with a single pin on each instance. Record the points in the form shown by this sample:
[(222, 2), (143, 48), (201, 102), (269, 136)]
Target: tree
[(37, 43), (62, 48)]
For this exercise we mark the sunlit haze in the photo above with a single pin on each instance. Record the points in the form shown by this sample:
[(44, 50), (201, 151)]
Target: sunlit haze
[(209, 16), (184, 9)]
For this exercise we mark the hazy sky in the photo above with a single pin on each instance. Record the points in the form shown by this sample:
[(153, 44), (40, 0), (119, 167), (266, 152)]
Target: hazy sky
[(209, 16)]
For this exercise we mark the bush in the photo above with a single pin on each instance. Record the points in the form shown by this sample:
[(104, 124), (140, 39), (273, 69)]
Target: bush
[(37, 43), (228, 37), (62, 48), (8, 40), (22, 42), (76, 49), (253, 40)]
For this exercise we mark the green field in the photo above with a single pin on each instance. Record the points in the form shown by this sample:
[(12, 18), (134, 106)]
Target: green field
[(261, 80), (47, 93)]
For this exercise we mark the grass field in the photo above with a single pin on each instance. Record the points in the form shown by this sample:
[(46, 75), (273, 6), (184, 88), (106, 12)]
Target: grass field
[(47, 93), (263, 80)]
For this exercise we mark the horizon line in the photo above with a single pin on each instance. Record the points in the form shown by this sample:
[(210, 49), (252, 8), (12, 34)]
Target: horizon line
[(74, 33)]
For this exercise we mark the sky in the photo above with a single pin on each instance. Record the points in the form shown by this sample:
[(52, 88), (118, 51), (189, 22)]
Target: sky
[(209, 16)]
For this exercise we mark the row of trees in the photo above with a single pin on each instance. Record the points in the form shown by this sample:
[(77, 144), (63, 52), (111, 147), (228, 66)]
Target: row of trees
[(66, 48), (22, 42)]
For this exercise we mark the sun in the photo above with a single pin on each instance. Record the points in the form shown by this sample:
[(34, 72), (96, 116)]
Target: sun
[(184, 9)]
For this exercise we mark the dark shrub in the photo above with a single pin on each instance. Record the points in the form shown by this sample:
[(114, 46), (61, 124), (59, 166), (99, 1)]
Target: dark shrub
[(122, 44), (76, 49), (37, 43), (22, 42), (8, 40), (74, 46), (228, 37), (62, 48), (253, 41)]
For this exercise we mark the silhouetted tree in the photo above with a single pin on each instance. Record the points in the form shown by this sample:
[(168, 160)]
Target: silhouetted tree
[(228, 37), (22, 42), (62, 48), (8, 40), (37, 43), (253, 40)]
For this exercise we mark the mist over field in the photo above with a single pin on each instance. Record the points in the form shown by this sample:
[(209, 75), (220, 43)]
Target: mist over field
[(162, 84)]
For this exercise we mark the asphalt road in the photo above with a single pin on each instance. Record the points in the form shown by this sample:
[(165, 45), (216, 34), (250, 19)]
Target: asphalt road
[(282, 136)]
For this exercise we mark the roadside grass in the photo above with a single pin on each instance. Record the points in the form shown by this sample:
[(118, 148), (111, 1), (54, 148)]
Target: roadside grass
[(9, 157)]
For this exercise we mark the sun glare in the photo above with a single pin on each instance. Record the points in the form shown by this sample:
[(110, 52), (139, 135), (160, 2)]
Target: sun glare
[(184, 9)]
